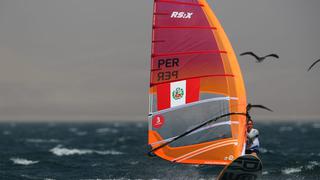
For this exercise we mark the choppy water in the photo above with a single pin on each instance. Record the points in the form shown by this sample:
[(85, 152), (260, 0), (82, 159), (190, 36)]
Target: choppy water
[(118, 151)]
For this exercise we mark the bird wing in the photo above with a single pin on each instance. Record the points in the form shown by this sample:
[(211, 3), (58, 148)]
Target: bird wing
[(273, 55), (250, 53), (257, 106), (314, 64)]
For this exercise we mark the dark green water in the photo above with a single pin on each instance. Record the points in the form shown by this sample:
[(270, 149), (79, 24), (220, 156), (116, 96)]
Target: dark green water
[(118, 151)]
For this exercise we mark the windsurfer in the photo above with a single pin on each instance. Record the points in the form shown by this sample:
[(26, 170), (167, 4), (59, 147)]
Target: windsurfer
[(252, 139)]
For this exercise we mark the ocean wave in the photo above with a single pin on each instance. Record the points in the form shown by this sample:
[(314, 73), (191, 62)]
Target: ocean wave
[(139, 125), (285, 129), (309, 166), (21, 161), (42, 140), (73, 129), (106, 130), (61, 151), (134, 162), (316, 125), (264, 151), (122, 139), (81, 133), (77, 132), (292, 170), (6, 132), (312, 164)]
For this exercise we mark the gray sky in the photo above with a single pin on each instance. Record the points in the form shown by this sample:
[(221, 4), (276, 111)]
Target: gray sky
[(89, 60)]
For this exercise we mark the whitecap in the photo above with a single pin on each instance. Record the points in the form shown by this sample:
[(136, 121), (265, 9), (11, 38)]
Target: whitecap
[(73, 129), (139, 125), (6, 132), (265, 172), (303, 130), (285, 128), (77, 132), (312, 164), (81, 133), (21, 161), (134, 162), (292, 170), (121, 139), (264, 150), (61, 151), (106, 130), (116, 124), (316, 125), (42, 140)]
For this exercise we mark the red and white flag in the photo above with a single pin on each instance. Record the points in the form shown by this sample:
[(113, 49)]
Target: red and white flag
[(177, 93)]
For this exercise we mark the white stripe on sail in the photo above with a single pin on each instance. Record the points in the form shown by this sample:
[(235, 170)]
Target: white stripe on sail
[(205, 149), (196, 131), (215, 125), (194, 103)]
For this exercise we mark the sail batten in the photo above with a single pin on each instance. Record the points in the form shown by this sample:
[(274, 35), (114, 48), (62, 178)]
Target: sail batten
[(194, 77), (184, 27), (180, 3), (204, 76), (190, 52)]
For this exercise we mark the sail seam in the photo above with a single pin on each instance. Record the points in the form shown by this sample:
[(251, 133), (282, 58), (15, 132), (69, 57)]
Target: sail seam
[(185, 27), (195, 103), (182, 3), (210, 75), (190, 52)]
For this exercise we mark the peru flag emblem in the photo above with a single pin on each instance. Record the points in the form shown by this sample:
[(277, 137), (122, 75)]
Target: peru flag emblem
[(177, 93)]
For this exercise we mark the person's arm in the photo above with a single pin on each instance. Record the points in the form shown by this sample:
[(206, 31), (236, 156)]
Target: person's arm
[(253, 134)]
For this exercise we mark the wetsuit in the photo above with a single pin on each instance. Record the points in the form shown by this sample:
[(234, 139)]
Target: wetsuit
[(253, 144)]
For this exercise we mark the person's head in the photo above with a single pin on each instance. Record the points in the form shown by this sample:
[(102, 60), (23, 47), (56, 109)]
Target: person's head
[(249, 125)]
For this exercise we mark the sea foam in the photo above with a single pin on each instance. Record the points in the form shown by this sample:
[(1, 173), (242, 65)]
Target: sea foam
[(61, 151), (285, 128), (106, 130), (21, 161), (42, 140), (292, 170), (312, 164)]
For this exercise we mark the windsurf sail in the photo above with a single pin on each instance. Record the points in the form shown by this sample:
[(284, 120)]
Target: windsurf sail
[(194, 77)]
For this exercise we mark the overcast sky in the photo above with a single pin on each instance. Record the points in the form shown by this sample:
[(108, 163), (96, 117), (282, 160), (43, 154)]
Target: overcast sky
[(89, 60)]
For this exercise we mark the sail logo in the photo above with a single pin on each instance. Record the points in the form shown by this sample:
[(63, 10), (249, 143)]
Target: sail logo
[(158, 121), (177, 93), (181, 15)]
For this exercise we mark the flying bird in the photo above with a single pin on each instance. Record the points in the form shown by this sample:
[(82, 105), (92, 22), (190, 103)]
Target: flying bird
[(259, 59), (313, 64)]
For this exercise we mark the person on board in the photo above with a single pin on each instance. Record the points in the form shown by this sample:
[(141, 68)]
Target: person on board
[(253, 144)]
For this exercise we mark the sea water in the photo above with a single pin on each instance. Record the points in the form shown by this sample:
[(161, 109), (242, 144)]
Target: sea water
[(117, 150)]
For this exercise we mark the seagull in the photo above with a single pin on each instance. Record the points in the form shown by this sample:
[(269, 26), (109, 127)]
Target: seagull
[(259, 59), (313, 64)]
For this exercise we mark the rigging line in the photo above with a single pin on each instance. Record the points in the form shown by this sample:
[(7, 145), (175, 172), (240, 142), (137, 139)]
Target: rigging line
[(195, 128)]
